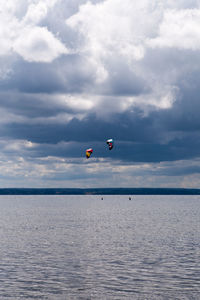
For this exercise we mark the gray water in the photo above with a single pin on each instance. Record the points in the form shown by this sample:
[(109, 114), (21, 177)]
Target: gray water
[(80, 247)]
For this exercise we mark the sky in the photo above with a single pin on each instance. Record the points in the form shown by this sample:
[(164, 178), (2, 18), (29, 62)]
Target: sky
[(76, 73)]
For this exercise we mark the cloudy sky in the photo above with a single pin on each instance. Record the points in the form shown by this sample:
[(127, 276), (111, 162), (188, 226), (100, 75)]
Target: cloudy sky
[(75, 73)]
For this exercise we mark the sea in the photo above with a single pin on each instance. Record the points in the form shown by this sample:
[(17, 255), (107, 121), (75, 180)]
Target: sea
[(100, 247)]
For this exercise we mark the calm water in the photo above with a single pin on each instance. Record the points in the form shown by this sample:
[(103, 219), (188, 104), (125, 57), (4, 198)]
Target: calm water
[(80, 247)]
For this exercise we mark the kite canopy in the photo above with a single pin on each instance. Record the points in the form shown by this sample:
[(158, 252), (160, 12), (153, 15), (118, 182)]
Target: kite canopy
[(88, 152), (110, 143)]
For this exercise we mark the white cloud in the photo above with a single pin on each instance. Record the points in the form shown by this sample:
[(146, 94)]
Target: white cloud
[(179, 29), (76, 102), (118, 32), (36, 12), (111, 27), (24, 36), (38, 44), (8, 27), (162, 98)]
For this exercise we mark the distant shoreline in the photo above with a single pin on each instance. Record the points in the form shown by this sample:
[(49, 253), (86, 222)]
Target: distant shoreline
[(99, 191)]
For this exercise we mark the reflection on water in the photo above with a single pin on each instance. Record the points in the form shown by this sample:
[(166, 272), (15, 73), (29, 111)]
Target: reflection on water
[(79, 247)]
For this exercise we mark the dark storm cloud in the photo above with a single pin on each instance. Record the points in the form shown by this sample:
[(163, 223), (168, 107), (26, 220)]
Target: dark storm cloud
[(122, 81), (125, 127), (73, 74), (141, 138), (69, 74), (186, 110), (29, 106), (137, 138), (183, 117)]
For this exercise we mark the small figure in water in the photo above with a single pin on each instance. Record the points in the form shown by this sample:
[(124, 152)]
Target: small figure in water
[(129, 198), (101, 198)]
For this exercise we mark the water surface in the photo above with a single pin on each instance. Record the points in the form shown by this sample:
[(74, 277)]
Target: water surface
[(80, 247)]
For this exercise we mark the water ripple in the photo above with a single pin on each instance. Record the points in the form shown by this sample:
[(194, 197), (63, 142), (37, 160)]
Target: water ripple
[(78, 247)]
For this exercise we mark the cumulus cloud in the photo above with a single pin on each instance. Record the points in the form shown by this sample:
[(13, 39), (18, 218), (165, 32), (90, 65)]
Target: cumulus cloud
[(110, 28), (116, 39), (113, 27), (179, 29), (37, 11), (39, 45), (25, 37)]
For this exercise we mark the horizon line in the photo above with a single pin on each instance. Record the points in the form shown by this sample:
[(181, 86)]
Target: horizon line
[(100, 191)]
